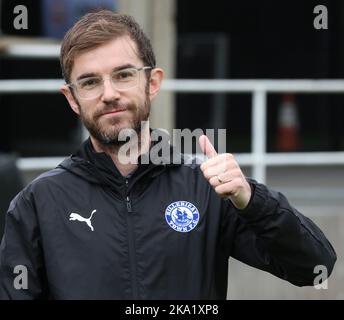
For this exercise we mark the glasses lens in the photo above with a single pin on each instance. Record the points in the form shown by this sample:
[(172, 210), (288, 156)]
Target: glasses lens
[(125, 79), (89, 88)]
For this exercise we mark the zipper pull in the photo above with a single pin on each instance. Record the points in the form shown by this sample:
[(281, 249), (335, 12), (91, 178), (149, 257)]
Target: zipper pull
[(128, 204)]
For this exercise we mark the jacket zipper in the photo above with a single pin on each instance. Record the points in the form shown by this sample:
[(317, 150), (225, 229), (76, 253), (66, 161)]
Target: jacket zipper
[(131, 241)]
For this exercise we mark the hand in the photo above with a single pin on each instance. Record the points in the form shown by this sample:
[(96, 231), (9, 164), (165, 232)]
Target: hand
[(225, 175)]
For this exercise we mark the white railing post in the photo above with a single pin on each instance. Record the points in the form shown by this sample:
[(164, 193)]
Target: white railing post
[(258, 140)]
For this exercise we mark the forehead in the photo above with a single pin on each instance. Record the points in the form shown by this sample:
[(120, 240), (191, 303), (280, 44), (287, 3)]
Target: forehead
[(103, 59)]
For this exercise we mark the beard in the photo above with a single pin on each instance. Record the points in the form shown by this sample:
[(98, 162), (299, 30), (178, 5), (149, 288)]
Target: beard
[(108, 134)]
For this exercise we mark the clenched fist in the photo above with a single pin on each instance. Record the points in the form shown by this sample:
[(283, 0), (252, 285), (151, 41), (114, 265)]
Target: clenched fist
[(225, 175)]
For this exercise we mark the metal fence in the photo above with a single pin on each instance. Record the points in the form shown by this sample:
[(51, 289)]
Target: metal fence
[(258, 158)]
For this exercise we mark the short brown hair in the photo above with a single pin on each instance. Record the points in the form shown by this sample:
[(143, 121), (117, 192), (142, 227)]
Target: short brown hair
[(97, 28)]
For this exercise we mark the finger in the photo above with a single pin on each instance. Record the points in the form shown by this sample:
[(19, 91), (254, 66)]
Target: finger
[(224, 158), (223, 178), (231, 188), (206, 147), (215, 170)]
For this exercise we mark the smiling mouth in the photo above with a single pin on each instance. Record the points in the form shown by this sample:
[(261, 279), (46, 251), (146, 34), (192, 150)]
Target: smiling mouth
[(113, 112)]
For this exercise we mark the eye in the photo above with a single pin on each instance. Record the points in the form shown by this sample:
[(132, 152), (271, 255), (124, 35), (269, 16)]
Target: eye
[(89, 83), (124, 75)]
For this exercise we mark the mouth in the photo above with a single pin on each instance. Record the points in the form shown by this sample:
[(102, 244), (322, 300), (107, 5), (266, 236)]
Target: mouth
[(113, 112)]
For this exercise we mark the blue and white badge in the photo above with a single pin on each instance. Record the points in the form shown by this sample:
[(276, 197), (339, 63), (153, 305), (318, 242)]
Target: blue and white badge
[(182, 216)]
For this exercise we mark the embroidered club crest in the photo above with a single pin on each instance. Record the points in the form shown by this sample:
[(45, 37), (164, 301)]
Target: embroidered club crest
[(182, 216)]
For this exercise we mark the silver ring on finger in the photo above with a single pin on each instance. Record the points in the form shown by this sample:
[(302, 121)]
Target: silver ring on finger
[(219, 179)]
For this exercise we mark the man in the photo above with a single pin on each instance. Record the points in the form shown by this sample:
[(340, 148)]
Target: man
[(97, 227)]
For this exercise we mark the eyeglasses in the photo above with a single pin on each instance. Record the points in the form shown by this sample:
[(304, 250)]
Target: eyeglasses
[(121, 80)]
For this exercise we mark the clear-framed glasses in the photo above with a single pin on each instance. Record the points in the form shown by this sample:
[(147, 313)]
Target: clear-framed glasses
[(121, 80)]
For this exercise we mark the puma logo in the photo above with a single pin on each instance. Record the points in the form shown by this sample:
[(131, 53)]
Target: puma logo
[(75, 216)]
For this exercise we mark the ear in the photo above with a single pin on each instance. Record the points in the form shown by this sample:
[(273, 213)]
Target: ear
[(70, 98), (156, 78)]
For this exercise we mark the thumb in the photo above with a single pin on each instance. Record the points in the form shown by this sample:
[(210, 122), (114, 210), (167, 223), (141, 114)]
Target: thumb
[(206, 147)]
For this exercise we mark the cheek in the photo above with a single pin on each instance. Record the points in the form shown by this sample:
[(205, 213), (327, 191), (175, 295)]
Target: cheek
[(133, 102), (140, 95), (87, 110)]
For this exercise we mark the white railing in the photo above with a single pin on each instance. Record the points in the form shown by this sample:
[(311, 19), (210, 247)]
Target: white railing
[(259, 159)]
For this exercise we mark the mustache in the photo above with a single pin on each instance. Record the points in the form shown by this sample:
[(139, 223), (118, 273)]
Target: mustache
[(111, 107)]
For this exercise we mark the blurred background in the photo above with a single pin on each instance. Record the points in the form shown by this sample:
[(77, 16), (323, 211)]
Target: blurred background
[(287, 134)]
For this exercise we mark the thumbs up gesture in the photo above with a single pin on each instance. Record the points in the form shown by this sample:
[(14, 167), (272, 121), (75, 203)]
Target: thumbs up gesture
[(225, 175)]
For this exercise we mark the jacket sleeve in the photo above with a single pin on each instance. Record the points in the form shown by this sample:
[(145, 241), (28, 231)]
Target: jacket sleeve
[(21, 246), (271, 235)]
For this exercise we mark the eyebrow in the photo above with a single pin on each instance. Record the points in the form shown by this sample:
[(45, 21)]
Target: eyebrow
[(92, 74)]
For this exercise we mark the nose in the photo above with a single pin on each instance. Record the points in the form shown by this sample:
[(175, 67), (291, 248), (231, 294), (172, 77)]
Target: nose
[(109, 92)]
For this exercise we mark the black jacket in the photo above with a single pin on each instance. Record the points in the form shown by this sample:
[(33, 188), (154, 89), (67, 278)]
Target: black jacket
[(133, 246)]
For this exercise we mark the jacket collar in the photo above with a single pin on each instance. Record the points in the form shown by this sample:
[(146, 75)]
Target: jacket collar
[(98, 167)]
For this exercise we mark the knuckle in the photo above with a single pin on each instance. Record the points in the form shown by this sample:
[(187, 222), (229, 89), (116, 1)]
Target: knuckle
[(218, 188), (204, 165), (206, 173), (229, 156), (237, 172), (212, 181)]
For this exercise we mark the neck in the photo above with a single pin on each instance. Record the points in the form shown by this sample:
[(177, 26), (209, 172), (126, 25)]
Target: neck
[(132, 149)]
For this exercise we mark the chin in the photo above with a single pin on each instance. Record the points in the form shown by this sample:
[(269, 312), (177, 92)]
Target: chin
[(114, 133)]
